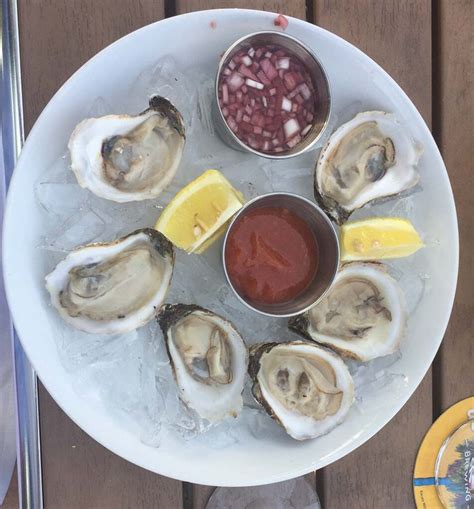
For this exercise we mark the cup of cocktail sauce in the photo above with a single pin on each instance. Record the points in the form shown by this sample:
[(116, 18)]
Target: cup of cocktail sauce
[(280, 254), (272, 96)]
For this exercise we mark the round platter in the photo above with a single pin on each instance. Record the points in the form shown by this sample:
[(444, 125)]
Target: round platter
[(357, 84)]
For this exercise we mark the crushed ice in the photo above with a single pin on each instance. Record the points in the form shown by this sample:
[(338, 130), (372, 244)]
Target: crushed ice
[(130, 373)]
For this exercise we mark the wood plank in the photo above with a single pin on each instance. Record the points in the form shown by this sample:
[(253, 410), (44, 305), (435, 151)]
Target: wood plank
[(296, 8), (80, 473), (454, 131), (397, 35), (56, 38), (196, 496)]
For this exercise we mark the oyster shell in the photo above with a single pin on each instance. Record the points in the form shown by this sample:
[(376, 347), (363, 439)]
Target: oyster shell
[(362, 316), (113, 287), (367, 158), (307, 389), (129, 157), (208, 357)]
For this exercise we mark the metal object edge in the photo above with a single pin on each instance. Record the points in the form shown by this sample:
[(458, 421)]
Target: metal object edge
[(28, 431)]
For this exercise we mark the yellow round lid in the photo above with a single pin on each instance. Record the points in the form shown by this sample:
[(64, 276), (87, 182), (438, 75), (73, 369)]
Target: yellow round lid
[(444, 468)]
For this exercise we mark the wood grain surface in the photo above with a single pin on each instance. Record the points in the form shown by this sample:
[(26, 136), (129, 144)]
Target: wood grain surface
[(57, 37), (454, 132), (397, 35), (296, 8)]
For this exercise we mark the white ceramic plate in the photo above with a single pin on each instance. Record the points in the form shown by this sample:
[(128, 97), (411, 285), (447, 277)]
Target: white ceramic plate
[(354, 77)]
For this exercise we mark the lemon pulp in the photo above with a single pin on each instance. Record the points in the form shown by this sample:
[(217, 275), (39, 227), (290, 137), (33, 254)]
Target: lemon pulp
[(378, 238), (198, 213)]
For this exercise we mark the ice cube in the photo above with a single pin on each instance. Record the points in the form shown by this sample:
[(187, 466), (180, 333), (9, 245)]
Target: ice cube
[(79, 229), (60, 198)]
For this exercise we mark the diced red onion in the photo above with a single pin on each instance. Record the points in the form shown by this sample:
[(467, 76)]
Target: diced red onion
[(280, 136), (234, 82), (246, 60), (293, 93), (305, 91), (245, 71), (291, 128), (290, 80), (225, 94), (294, 141), (254, 84), (269, 69), (263, 78), (281, 21), (231, 123), (286, 104), (283, 63), (267, 98), (247, 127)]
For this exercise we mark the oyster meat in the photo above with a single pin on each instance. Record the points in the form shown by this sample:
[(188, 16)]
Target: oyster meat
[(307, 389), (362, 316), (129, 157), (208, 357), (367, 158), (115, 287)]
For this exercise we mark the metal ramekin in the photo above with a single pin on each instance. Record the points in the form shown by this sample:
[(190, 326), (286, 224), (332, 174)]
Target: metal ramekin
[(328, 244), (318, 75)]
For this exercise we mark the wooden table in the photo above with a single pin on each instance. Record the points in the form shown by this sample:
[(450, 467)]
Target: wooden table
[(427, 46)]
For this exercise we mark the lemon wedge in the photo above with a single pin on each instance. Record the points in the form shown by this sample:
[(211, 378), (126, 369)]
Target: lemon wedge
[(198, 213), (378, 238)]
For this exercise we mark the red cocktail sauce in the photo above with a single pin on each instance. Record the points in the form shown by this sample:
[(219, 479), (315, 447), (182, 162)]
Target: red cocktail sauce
[(271, 255)]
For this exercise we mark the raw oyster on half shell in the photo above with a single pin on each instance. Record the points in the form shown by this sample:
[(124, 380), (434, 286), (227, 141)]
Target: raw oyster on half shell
[(113, 287), (368, 158), (307, 389), (208, 357), (129, 157), (362, 316)]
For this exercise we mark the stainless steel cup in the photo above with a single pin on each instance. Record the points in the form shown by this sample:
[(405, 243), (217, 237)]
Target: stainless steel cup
[(328, 245), (318, 76)]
